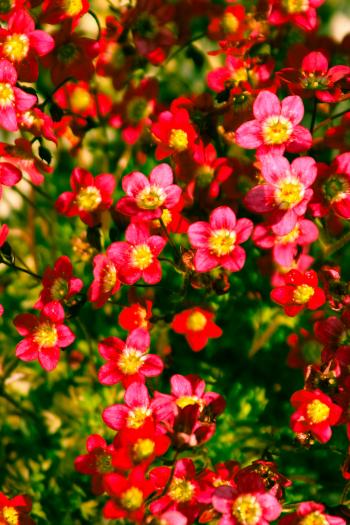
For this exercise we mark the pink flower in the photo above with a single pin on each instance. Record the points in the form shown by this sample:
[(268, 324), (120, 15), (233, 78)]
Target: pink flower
[(235, 504), (275, 128), (217, 241), (128, 362), (146, 198), (137, 257), (9, 175), (313, 513), (43, 336), (89, 197), (22, 44), (302, 14), (286, 194), (12, 99), (285, 247)]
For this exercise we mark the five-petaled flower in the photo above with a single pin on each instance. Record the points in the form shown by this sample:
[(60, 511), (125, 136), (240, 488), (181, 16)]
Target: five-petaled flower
[(197, 325)]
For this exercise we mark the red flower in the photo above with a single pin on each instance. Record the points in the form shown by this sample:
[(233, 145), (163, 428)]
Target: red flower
[(300, 291), (128, 495), (136, 316), (78, 99), (301, 13), (230, 25), (4, 230), (21, 44), (89, 197), (37, 123), (137, 257), (60, 10), (12, 99), (15, 511), (20, 154), (197, 326), (147, 198), (173, 132), (9, 175), (315, 413), (128, 362), (106, 279), (218, 242), (59, 283), (97, 463), (43, 336)]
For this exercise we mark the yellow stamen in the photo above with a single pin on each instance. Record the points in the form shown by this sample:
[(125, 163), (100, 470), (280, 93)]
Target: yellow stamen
[(303, 293), (59, 289), (131, 361), (132, 499), (142, 449), (109, 278), (10, 516), (141, 256), (150, 198), (276, 130), (80, 99), (73, 7), (7, 96), (317, 411), (137, 417), (221, 242), (229, 23), (89, 198), (178, 140), (45, 335), (289, 193), (296, 6), (16, 47), (196, 321), (181, 490), (247, 510)]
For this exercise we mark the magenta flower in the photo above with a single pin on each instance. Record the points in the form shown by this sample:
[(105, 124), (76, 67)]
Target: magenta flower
[(275, 128), (146, 198), (313, 513), (128, 362), (137, 257), (285, 247), (106, 281), (286, 194), (22, 44), (217, 241), (12, 99), (43, 336), (237, 506)]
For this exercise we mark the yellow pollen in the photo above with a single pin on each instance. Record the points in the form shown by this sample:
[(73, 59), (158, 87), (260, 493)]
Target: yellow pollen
[(7, 96), (132, 499), (166, 216), (303, 293), (80, 99), (181, 490), (247, 510), (289, 193), (104, 463), (45, 335), (276, 130), (89, 198), (142, 449), (296, 6), (218, 482), (141, 256), (229, 23), (109, 278), (221, 242), (150, 198), (317, 411), (178, 140), (240, 75), (137, 417), (16, 47), (72, 7), (59, 289), (196, 321), (10, 516), (314, 518), (289, 237), (186, 401), (131, 361)]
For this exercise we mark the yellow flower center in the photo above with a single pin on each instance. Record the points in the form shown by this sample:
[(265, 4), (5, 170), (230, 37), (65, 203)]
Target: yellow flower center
[(317, 412), (289, 193), (7, 96), (131, 361), (186, 401), (289, 237), (16, 47), (109, 278), (59, 289), (150, 198), (240, 75), (10, 516), (141, 256), (181, 490), (229, 23), (166, 217), (218, 482), (132, 499), (73, 7), (178, 140), (303, 293), (196, 321), (221, 242), (89, 198), (314, 518), (142, 449), (296, 6), (45, 335), (104, 463), (137, 417), (336, 188), (276, 130), (80, 99), (247, 510)]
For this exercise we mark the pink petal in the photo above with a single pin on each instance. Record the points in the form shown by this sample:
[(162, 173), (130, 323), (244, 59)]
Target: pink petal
[(109, 374), (306, 169), (293, 109), (49, 357), (222, 217), (204, 261), (260, 199), (53, 311), (133, 183), (248, 135), (26, 350), (300, 140), (8, 119), (137, 395), (8, 73), (65, 335), (153, 273), (153, 366), (9, 174), (198, 234), (139, 339), (41, 42), (265, 105), (243, 230), (115, 416), (161, 175), (235, 261), (274, 168), (24, 101)]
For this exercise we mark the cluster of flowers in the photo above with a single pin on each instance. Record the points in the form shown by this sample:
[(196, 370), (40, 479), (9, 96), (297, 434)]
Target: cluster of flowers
[(285, 190)]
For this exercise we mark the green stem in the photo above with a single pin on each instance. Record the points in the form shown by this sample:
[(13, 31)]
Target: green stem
[(24, 270), (332, 117)]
